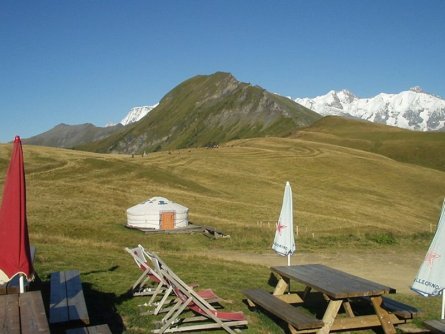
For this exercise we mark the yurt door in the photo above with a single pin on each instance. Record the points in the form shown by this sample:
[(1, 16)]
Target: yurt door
[(167, 220)]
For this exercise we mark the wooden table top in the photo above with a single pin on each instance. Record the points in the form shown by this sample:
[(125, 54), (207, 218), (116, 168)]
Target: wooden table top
[(23, 313), (332, 282)]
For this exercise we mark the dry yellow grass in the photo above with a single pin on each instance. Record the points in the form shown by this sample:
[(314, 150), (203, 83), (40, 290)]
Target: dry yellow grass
[(77, 202)]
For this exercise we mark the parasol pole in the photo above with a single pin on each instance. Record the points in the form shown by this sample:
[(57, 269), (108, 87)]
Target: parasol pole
[(21, 284), (443, 307)]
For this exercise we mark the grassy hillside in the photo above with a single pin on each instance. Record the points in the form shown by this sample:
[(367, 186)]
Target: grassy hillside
[(208, 110), (342, 198), (422, 148)]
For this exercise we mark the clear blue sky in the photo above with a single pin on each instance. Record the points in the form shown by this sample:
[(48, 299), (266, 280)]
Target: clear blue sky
[(79, 61)]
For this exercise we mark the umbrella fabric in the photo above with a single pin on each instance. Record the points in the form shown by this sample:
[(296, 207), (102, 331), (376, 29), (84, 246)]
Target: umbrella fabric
[(430, 280), (14, 243), (284, 243)]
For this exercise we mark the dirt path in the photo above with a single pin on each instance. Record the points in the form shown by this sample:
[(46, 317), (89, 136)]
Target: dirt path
[(395, 268)]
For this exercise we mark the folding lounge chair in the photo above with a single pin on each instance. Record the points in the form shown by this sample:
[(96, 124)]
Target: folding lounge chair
[(142, 287), (153, 273), (187, 298)]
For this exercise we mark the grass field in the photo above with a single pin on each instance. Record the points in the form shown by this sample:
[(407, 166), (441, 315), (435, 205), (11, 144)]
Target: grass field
[(344, 198)]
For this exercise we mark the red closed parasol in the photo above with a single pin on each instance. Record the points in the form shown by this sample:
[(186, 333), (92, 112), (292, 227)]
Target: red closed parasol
[(15, 257)]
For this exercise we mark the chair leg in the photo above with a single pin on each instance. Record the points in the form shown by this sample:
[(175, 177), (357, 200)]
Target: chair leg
[(142, 278), (171, 311), (156, 293), (164, 298), (175, 316)]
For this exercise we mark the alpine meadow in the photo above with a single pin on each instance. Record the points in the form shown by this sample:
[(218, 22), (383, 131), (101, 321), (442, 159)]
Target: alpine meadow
[(358, 188)]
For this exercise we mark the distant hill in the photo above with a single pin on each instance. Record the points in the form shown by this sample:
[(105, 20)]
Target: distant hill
[(67, 136), (421, 148), (208, 110)]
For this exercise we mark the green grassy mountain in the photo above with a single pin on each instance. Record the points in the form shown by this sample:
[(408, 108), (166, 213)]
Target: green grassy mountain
[(208, 110), (415, 147)]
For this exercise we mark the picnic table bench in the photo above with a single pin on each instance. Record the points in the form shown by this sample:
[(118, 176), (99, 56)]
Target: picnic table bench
[(401, 310), (283, 310), (67, 303), (23, 313)]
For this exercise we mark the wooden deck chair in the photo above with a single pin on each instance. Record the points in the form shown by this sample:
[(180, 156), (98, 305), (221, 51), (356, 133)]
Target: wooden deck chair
[(164, 304), (150, 282), (188, 299)]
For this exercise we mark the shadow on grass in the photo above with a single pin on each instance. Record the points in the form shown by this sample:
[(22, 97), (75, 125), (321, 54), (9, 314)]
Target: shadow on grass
[(101, 306)]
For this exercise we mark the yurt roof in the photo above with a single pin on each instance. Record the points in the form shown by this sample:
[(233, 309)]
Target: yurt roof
[(157, 204)]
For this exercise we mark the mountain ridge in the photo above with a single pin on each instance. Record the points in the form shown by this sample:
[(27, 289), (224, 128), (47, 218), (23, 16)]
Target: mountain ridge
[(207, 110), (67, 136), (413, 109)]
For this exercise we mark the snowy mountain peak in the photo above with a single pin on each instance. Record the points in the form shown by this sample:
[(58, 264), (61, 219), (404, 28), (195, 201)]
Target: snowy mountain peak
[(136, 113), (417, 89), (414, 109)]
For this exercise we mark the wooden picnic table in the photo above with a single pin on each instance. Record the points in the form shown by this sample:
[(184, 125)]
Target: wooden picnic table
[(23, 313), (339, 289)]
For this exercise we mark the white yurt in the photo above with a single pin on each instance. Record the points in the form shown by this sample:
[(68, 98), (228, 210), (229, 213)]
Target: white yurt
[(157, 213)]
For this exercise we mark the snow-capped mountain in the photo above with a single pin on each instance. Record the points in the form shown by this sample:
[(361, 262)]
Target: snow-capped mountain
[(413, 109), (136, 113)]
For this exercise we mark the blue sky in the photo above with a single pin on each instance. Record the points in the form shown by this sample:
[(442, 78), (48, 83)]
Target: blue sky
[(79, 61)]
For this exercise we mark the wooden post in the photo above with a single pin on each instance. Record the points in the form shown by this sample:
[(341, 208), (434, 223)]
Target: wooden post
[(329, 316), (383, 316), (281, 286)]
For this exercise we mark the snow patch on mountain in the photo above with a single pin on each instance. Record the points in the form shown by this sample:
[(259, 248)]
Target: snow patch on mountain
[(136, 113), (413, 109)]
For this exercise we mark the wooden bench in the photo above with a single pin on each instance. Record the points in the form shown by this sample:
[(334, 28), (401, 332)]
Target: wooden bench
[(23, 313), (401, 310), (67, 303), (100, 329), (283, 310), (435, 326)]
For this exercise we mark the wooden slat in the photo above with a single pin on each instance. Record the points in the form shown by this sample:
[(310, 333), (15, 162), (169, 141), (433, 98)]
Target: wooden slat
[(9, 314), (58, 308), (32, 313), (287, 312), (436, 326), (77, 309)]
